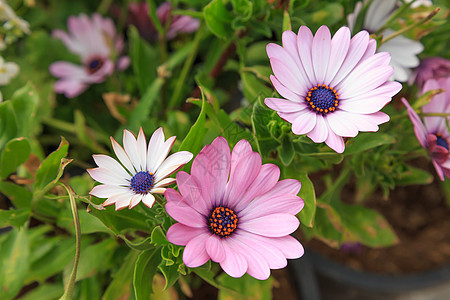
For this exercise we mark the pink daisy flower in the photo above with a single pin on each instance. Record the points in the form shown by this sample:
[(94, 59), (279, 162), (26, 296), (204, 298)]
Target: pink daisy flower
[(95, 41), (333, 87), (233, 210), (433, 134), (142, 170)]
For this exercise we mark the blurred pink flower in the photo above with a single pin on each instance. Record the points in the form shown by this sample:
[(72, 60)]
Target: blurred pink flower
[(334, 87), (139, 17), (433, 134), (234, 210), (95, 41), (431, 68), (142, 170)]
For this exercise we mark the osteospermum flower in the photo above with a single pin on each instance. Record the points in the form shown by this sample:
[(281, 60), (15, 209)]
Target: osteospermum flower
[(334, 87), (433, 134), (431, 68), (95, 41), (142, 170), (233, 210), (403, 50)]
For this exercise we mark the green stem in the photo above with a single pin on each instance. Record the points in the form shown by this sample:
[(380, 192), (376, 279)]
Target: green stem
[(407, 28), (71, 285), (435, 115), (104, 6), (186, 68)]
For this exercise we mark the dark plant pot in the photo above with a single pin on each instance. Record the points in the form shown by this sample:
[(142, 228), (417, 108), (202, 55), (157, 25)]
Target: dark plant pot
[(317, 277)]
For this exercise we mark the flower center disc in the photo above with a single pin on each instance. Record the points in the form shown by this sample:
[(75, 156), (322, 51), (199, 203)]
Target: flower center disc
[(142, 182), (441, 141), (94, 65), (223, 221), (322, 99)]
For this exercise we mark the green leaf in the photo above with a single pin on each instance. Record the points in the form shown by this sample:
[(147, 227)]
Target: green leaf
[(25, 101), (48, 170), (8, 123), (247, 287), (147, 103), (366, 141), (14, 263), (325, 222), (140, 245), (365, 225), (261, 117), (44, 292), (170, 273), (412, 176), (218, 19), (16, 152), (89, 223), (19, 196), (158, 238), (120, 287), (93, 259), (193, 141), (254, 87), (286, 151), (144, 60), (14, 217), (146, 267), (119, 221), (332, 157), (90, 288), (308, 195)]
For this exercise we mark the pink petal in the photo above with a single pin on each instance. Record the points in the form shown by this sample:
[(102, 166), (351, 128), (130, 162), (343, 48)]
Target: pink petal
[(281, 204), (273, 225), (70, 88), (185, 214), (192, 193), (284, 105), (291, 117), (267, 178), (72, 44), (246, 171), (321, 47), (180, 234), (194, 254), (123, 63), (320, 132), (287, 77), (284, 187), (289, 246), (235, 263), (304, 123), (341, 125), (334, 141), (358, 46), (257, 267), (439, 170), (214, 248), (67, 70), (284, 91), (211, 168), (304, 44), (289, 40)]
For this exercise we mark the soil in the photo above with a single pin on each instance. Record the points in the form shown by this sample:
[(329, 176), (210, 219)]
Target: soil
[(420, 217)]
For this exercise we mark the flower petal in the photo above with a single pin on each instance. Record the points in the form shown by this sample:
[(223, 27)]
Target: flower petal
[(180, 234), (320, 131), (341, 125), (185, 214), (106, 176), (321, 47), (235, 263), (107, 162), (304, 122), (130, 146), (148, 200), (339, 48), (273, 225), (195, 255), (107, 190), (214, 248), (122, 156), (172, 164), (284, 105)]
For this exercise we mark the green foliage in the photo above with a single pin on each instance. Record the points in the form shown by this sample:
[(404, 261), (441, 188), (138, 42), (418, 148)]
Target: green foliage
[(145, 269), (15, 153), (246, 287)]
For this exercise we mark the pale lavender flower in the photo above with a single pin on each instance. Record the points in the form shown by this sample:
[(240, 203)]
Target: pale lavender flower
[(431, 68), (95, 41), (433, 134), (333, 87)]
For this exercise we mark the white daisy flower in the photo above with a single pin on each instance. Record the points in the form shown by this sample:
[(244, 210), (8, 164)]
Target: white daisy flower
[(142, 170), (8, 70), (403, 51)]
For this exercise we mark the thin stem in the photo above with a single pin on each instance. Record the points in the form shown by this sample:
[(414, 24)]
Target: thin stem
[(407, 28), (186, 68), (435, 115), (71, 285)]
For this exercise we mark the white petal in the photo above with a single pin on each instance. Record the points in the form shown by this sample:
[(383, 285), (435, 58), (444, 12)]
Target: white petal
[(105, 176), (122, 156), (148, 200), (162, 153), (135, 200), (164, 182), (107, 162), (142, 149), (130, 145), (106, 190), (173, 163)]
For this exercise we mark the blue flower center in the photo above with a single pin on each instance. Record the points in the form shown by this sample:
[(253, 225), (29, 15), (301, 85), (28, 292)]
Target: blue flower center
[(142, 182), (223, 221), (322, 99), (441, 141), (94, 65)]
